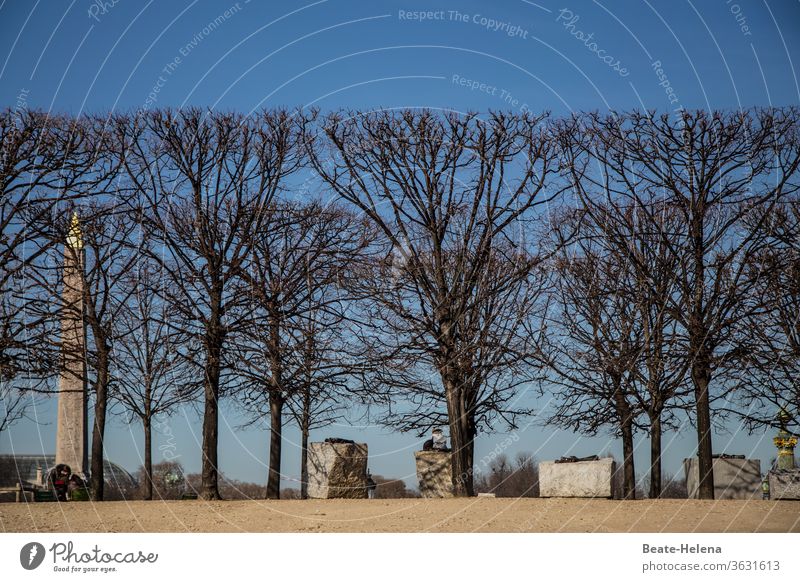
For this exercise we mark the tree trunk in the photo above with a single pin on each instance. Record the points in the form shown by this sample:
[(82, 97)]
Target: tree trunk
[(304, 466), (700, 354), (625, 416), (304, 430), (98, 430), (629, 472), (209, 487), (461, 440), (275, 441), (701, 377), (655, 456), (148, 459), (469, 453)]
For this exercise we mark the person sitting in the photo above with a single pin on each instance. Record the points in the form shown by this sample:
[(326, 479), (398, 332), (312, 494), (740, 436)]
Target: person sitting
[(77, 488), (59, 481), (437, 442)]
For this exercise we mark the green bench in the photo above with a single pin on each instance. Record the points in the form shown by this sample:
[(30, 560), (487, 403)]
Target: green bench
[(43, 495)]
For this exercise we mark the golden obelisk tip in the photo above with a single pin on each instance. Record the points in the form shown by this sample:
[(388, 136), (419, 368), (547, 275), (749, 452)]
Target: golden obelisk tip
[(74, 236)]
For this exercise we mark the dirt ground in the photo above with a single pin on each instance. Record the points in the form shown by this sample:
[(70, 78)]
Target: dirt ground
[(405, 515)]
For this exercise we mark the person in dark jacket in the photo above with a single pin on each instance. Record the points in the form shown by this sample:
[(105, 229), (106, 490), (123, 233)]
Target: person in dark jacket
[(59, 481)]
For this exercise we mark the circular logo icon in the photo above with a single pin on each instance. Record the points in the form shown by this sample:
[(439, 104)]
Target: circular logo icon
[(31, 555)]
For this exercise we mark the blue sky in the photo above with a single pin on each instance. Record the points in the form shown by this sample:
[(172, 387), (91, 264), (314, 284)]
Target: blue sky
[(78, 56)]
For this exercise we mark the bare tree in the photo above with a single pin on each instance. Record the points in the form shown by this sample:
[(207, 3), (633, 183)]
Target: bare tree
[(769, 394), (13, 404), (714, 169), (100, 245), (296, 337), (317, 398), (206, 180), (331, 353), (152, 370), (451, 196), (592, 353), (45, 160), (662, 387), (615, 285)]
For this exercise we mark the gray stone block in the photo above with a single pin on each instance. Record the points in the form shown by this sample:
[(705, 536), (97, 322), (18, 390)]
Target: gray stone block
[(580, 479), (434, 473), (733, 478), (784, 484), (337, 470)]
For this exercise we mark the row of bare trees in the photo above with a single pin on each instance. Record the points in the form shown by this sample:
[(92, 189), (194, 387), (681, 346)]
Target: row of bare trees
[(642, 271), (672, 295)]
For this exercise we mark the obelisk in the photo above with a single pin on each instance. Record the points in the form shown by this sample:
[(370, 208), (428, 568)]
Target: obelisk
[(71, 436)]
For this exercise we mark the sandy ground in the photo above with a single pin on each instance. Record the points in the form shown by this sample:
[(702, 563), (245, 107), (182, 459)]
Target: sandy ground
[(405, 515)]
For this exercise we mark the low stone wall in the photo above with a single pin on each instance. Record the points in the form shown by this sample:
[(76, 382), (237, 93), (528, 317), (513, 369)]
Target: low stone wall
[(784, 484), (733, 478), (337, 471), (434, 473), (579, 479)]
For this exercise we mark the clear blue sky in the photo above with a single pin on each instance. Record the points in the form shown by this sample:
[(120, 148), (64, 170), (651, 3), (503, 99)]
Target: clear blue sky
[(79, 56)]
